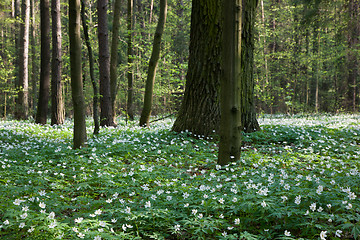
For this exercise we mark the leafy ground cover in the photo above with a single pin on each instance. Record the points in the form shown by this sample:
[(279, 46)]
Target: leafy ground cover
[(298, 178)]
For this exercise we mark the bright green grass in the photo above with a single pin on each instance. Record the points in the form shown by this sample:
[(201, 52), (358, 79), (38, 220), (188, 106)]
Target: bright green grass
[(298, 178)]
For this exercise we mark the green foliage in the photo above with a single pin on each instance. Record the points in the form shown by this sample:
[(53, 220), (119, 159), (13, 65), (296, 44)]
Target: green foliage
[(302, 46), (298, 179)]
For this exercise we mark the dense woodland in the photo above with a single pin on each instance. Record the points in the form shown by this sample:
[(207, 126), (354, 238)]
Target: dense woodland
[(243, 143), (306, 55)]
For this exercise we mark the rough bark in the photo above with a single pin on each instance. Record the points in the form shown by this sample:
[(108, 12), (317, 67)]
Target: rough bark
[(76, 72), (91, 66), (22, 105), (248, 113), (130, 107), (231, 83), (114, 57), (42, 109), (57, 105), (106, 118), (155, 55), (199, 112)]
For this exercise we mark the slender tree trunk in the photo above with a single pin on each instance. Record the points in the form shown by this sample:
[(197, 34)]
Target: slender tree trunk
[(16, 33), (199, 112), (265, 47), (42, 109), (57, 105), (114, 57), (34, 60), (22, 106), (76, 72), (106, 118), (155, 55), (231, 83), (352, 56), (316, 65), (307, 87), (151, 10), (91, 64), (130, 107)]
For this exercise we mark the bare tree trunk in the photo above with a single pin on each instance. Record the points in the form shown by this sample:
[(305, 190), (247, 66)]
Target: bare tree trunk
[(151, 10), (57, 105), (316, 65), (199, 112), (42, 109), (114, 57), (248, 113), (16, 33), (155, 55), (22, 104), (265, 48), (231, 85), (76, 72), (106, 118), (130, 77), (91, 64), (34, 61)]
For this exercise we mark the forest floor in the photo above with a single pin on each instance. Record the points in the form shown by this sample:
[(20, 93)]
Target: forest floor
[(298, 178)]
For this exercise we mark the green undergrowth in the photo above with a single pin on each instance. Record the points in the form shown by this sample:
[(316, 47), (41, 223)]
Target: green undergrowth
[(298, 178)]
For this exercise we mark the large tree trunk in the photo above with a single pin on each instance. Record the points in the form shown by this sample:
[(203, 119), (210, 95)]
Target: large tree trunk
[(155, 55), (106, 118), (114, 57), (22, 104), (42, 109), (57, 105), (248, 113), (231, 83), (130, 77), (91, 65), (199, 112), (76, 80)]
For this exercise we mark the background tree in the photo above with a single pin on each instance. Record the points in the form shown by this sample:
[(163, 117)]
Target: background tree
[(76, 80), (22, 104), (231, 82), (130, 90), (34, 58), (352, 55), (91, 64), (307, 57), (106, 118), (42, 106), (57, 105), (114, 56), (155, 55)]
